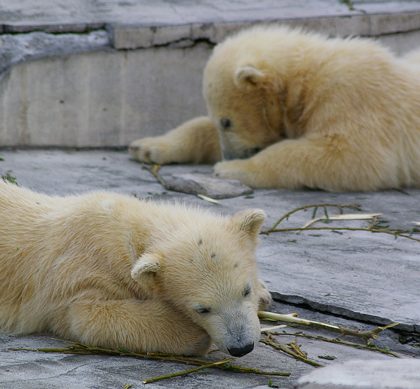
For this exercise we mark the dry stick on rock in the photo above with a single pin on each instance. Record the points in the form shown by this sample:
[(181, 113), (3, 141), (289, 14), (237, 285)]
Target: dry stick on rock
[(83, 349), (270, 341), (296, 348), (316, 206), (396, 234), (370, 347), (297, 353), (186, 372), (366, 336), (154, 170), (372, 228), (218, 364)]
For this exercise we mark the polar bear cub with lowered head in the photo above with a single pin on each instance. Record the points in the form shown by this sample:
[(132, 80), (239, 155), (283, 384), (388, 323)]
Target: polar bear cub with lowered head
[(116, 271), (290, 110)]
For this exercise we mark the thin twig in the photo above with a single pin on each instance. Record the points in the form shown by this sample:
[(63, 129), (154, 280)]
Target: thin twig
[(373, 224), (373, 334), (296, 348), (270, 341), (370, 346), (154, 170), (240, 369), (186, 372), (266, 232), (316, 206), (372, 227), (83, 349), (80, 348)]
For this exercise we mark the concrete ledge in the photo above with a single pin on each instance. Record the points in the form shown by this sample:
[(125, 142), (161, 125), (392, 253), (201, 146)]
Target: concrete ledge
[(51, 28), (125, 36)]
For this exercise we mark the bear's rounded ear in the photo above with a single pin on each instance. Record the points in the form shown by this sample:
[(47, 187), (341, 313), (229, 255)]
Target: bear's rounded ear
[(146, 268), (248, 76), (250, 221)]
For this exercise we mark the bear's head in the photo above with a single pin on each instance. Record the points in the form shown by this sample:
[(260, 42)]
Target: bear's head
[(249, 89), (207, 270), (245, 111)]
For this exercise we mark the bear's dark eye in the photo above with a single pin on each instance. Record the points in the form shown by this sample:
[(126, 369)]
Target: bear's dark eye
[(226, 124), (202, 310), (247, 291)]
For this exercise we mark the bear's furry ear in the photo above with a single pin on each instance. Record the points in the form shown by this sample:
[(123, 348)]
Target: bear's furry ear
[(146, 268), (250, 220), (248, 76)]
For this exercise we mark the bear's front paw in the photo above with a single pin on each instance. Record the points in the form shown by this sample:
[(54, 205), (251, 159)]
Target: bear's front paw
[(199, 348), (231, 170), (151, 150), (264, 296)]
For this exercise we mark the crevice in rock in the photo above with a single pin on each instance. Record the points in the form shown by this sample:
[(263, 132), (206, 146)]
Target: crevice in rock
[(345, 313)]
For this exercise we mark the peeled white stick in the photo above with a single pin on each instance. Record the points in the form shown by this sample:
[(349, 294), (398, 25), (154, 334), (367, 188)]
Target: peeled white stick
[(350, 216)]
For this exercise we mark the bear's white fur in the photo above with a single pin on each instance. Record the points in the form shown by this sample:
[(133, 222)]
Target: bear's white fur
[(295, 110), (112, 270)]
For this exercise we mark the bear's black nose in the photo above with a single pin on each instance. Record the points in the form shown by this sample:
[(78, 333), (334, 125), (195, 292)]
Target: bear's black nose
[(241, 351)]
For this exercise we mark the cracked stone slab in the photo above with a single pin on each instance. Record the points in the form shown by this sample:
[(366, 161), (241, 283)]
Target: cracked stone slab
[(355, 274), (367, 277), (208, 186)]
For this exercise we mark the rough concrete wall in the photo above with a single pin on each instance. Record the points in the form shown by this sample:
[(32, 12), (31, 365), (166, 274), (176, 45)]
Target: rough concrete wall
[(105, 98), (75, 90)]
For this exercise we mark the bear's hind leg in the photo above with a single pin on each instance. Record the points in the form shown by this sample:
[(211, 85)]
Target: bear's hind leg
[(195, 141), (136, 325)]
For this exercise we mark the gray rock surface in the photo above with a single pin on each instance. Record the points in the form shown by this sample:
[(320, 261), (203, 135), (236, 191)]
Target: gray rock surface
[(355, 279)]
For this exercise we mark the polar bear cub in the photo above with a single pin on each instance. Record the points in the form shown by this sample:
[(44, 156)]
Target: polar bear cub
[(112, 270), (293, 110)]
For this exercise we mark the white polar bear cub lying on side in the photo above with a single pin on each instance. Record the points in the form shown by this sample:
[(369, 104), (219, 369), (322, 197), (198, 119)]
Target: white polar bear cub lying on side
[(108, 269)]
